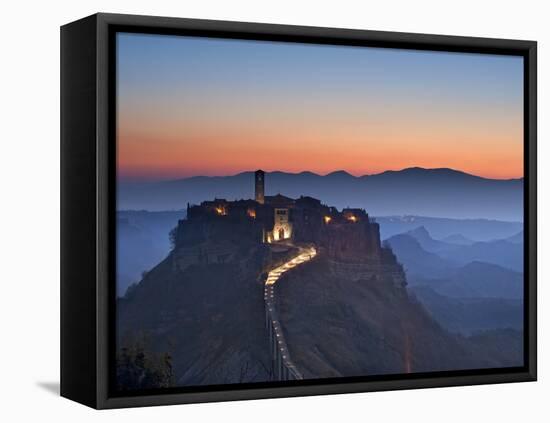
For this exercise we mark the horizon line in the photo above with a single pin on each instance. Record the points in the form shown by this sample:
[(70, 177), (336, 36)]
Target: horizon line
[(341, 171)]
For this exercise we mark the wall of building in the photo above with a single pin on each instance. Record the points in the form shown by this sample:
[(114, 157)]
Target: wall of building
[(282, 228)]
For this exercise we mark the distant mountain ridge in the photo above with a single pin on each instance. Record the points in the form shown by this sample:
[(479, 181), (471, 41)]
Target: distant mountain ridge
[(439, 171), (470, 315), (418, 247), (461, 231), (424, 238), (457, 239), (484, 269), (416, 191), (516, 239)]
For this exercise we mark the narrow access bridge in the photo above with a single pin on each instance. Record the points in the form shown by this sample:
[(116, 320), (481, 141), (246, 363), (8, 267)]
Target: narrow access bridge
[(282, 366)]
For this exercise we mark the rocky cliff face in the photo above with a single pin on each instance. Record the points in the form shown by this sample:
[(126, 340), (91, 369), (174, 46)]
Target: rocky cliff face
[(353, 252), (337, 327), (204, 306)]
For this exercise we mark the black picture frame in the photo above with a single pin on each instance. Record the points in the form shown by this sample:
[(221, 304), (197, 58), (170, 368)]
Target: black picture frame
[(88, 151)]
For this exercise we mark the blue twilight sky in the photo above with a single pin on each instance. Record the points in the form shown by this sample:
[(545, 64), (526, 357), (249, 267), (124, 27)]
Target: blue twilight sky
[(190, 105)]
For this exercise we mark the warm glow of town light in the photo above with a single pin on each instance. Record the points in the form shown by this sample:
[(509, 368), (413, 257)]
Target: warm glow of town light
[(220, 211), (304, 255), (328, 219), (252, 213), (352, 218)]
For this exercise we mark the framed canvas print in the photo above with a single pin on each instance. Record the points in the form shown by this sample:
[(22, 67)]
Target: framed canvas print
[(255, 211)]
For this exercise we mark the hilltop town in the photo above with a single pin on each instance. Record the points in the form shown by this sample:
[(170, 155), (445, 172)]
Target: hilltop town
[(350, 239)]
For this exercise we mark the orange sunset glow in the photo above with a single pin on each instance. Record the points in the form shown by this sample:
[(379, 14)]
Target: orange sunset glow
[(364, 111)]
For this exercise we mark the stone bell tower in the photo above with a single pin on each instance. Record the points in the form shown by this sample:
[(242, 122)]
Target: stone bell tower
[(259, 191)]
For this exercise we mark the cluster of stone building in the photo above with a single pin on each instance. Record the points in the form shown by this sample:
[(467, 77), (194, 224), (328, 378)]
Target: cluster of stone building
[(281, 217), (350, 239)]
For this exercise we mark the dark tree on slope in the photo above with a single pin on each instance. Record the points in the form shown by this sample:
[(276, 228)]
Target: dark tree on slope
[(172, 237), (138, 367)]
